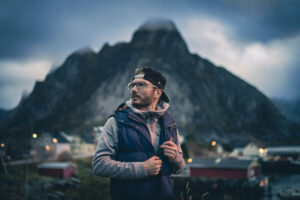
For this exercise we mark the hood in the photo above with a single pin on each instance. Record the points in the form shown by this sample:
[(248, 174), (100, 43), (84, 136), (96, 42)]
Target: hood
[(161, 108)]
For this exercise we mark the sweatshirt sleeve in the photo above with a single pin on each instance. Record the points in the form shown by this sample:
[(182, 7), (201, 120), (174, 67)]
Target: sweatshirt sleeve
[(103, 161), (178, 163)]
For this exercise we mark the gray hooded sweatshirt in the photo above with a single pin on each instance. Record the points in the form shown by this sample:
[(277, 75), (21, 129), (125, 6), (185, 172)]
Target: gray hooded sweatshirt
[(104, 163)]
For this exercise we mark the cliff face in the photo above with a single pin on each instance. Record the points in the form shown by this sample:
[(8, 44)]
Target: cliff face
[(207, 101), (290, 108)]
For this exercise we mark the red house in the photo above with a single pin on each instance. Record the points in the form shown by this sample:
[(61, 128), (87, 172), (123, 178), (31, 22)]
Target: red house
[(57, 169), (225, 168)]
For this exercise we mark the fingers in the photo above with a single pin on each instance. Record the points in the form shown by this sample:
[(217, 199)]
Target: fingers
[(153, 165), (155, 172), (154, 158), (169, 155), (165, 147), (170, 151), (169, 143), (155, 169)]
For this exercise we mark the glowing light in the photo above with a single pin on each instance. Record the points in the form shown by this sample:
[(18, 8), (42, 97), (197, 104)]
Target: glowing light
[(267, 181), (2, 145), (54, 140), (190, 160), (47, 147), (34, 135), (261, 183), (213, 143), (261, 150), (266, 150)]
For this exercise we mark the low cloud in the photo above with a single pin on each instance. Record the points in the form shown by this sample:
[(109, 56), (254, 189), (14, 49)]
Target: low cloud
[(264, 65), (17, 78)]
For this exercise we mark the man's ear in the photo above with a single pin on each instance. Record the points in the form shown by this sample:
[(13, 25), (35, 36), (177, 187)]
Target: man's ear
[(158, 93)]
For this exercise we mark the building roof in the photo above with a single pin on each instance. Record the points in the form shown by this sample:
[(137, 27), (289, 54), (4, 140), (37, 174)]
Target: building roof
[(61, 139), (55, 165), (88, 138), (229, 163), (68, 138), (283, 149)]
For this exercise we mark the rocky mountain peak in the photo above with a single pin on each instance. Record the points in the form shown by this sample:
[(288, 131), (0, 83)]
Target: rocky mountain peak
[(207, 102), (158, 24), (83, 51), (160, 33)]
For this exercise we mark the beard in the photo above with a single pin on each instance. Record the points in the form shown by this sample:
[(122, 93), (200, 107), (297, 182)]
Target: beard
[(139, 101)]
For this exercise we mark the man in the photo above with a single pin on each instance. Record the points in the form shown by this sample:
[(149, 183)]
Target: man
[(139, 147)]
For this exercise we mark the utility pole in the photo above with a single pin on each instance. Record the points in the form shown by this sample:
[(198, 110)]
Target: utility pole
[(2, 158)]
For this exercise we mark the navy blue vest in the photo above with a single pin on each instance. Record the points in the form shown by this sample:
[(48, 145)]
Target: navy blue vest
[(134, 145)]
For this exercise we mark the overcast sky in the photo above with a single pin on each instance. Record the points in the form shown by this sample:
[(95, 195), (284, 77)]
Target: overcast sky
[(258, 40)]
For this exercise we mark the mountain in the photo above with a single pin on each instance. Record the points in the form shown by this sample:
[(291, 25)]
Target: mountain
[(3, 114), (290, 108), (207, 101)]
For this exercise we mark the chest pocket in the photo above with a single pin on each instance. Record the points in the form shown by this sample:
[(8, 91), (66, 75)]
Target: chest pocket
[(133, 146)]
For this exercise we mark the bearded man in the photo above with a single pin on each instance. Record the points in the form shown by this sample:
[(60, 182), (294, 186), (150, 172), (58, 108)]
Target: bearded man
[(139, 147)]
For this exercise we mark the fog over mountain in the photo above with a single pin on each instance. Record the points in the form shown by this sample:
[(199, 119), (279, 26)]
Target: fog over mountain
[(207, 101)]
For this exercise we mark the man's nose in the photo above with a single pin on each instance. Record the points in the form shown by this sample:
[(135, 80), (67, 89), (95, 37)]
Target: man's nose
[(134, 89)]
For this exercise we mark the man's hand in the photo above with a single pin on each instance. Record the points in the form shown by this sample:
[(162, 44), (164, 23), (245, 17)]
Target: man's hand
[(170, 149), (152, 165)]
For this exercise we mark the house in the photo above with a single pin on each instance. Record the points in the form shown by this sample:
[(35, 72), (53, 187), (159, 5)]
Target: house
[(237, 152), (284, 151), (57, 169), (48, 145), (251, 150), (79, 145), (62, 145), (225, 168)]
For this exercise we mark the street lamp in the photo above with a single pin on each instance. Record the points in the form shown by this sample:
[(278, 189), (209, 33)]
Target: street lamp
[(34, 135), (54, 140), (47, 147), (213, 143), (2, 154)]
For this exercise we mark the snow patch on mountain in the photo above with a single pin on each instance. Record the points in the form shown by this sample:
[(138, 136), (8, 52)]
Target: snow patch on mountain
[(84, 50), (158, 24)]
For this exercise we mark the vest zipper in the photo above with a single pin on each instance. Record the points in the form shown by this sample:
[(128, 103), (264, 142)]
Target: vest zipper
[(135, 127)]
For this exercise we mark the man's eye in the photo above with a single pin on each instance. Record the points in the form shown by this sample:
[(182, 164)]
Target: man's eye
[(140, 84)]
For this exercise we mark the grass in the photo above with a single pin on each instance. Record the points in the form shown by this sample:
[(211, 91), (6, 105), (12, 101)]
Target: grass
[(87, 186), (15, 185)]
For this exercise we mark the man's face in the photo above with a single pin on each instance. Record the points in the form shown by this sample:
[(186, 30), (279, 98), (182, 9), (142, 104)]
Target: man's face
[(143, 93)]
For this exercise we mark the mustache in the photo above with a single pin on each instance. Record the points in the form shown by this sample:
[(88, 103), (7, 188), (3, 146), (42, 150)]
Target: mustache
[(134, 95)]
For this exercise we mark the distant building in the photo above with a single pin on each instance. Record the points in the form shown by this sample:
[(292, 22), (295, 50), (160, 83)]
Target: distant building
[(251, 150), (237, 152), (79, 145), (219, 149), (225, 168), (97, 131), (283, 152), (57, 169), (48, 145), (62, 146)]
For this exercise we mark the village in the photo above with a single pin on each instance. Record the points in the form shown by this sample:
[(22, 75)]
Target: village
[(253, 163)]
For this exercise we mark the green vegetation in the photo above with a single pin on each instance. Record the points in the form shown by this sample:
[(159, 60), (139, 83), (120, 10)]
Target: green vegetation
[(85, 185), (212, 189)]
